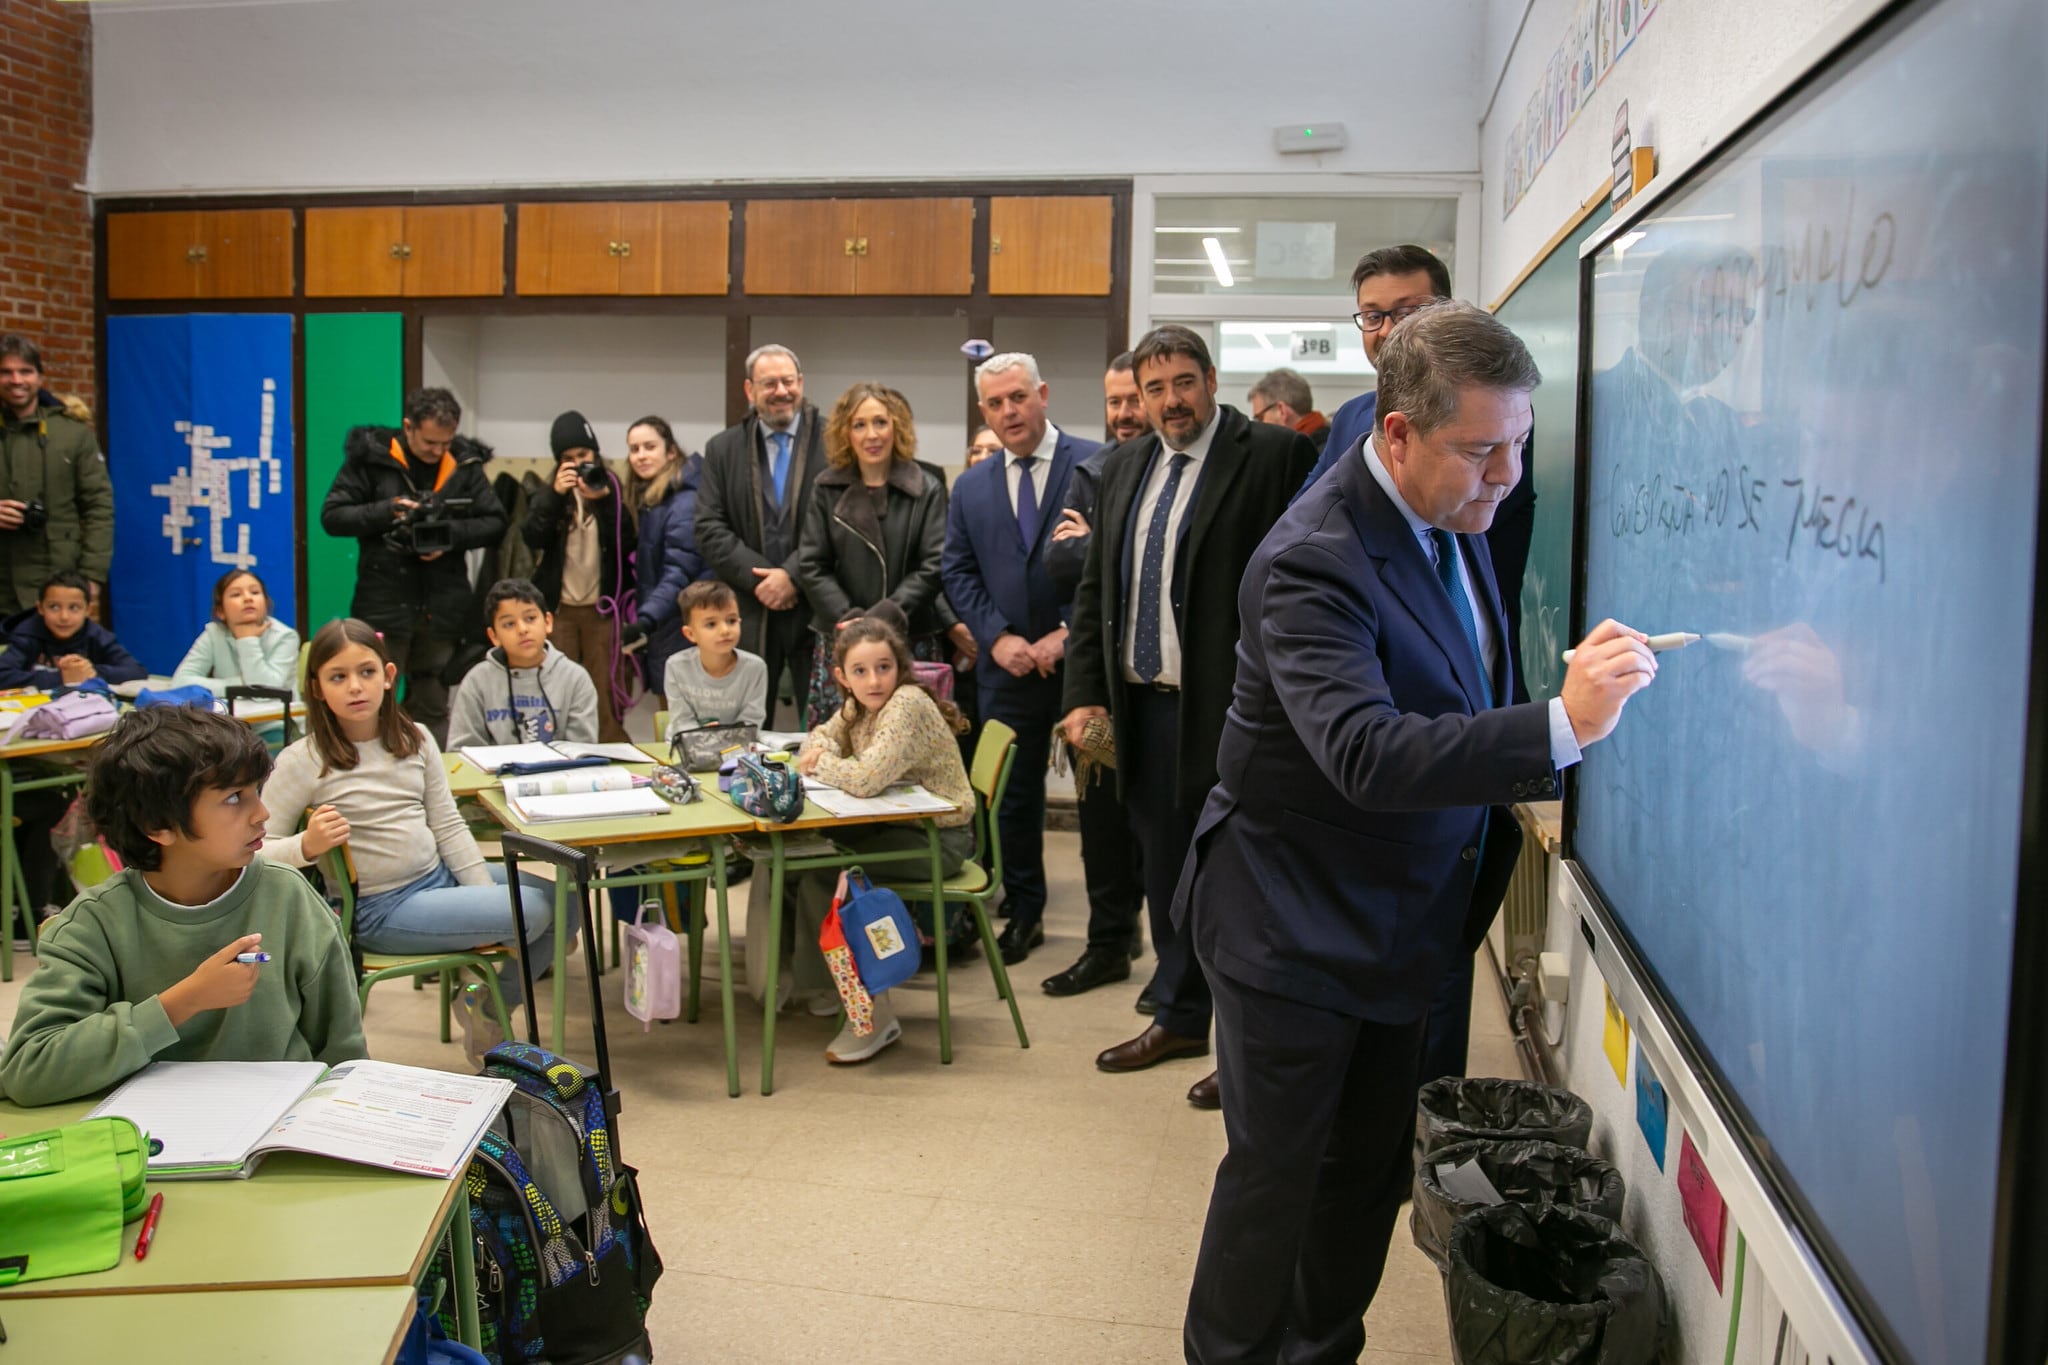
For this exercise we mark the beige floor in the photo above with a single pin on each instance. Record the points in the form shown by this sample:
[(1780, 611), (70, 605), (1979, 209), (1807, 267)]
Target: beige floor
[(1014, 1206)]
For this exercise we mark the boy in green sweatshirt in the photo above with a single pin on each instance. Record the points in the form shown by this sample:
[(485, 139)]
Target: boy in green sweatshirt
[(143, 966)]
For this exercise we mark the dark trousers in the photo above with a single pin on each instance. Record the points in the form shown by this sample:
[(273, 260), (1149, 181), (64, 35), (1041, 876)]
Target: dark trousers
[(1163, 828), (1448, 1030), (1319, 1108), (1031, 708), (421, 655), (1112, 862), (786, 642)]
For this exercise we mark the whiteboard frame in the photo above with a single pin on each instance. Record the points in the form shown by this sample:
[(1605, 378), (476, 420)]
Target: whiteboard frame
[(1831, 1325)]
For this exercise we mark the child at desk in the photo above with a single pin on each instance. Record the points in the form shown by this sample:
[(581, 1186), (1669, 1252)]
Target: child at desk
[(525, 690), (143, 966), (376, 782), (243, 643), (891, 729), (57, 645), (717, 682)]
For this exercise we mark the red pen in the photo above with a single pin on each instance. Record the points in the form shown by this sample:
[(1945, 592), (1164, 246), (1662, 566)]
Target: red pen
[(142, 1239)]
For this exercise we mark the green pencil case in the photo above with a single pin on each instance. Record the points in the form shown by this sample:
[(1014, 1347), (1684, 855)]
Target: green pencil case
[(65, 1194)]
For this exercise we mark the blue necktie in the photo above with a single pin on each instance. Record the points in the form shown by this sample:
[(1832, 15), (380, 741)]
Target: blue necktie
[(780, 462), (1145, 651), (1447, 574), (1027, 503)]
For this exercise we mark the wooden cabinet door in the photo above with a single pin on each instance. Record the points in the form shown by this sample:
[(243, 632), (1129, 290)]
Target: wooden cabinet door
[(678, 247), (153, 255), (355, 253), (1049, 245), (914, 246), (455, 250), (248, 254), (801, 246), (568, 249)]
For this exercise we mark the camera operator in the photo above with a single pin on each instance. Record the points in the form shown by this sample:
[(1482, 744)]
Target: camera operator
[(585, 536), (416, 499), (56, 502)]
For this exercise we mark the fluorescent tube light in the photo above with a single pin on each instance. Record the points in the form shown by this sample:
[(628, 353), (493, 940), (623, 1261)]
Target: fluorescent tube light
[(1217, 263)]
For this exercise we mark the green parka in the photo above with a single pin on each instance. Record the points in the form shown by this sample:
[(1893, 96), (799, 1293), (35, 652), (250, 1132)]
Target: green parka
[(54, 458)]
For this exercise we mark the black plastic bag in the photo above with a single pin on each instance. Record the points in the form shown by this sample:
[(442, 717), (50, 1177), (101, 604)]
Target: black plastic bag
[(1551, 1286), (1536, 1174), (1462, 1108)]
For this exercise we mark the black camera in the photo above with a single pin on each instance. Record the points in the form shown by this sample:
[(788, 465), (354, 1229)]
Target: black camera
[(35, 516), (426, 528), (591, 474)]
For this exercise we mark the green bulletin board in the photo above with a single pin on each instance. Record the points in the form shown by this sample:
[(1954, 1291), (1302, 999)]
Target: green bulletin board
[(354, 375)]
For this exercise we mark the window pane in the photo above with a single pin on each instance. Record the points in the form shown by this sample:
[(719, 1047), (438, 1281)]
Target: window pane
[(1329, 355), (1299, 245)]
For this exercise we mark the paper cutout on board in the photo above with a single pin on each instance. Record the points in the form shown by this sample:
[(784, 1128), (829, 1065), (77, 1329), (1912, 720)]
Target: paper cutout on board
[(1653, 1107), (1706, 1213), (1614, 1041)]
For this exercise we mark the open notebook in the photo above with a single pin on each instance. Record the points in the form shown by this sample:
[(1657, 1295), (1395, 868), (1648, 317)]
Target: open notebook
[(214, 1120)]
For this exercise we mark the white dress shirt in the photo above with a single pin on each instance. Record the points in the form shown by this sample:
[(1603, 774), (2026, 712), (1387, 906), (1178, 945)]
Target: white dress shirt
[(1148, 501), (1564, 745), (1041, 470)]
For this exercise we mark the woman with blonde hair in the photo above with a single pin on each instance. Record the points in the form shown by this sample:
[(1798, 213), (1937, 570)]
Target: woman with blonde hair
[(875, 531)]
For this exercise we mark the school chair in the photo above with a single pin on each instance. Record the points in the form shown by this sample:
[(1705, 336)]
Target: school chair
[(980, 878), (338, 871)]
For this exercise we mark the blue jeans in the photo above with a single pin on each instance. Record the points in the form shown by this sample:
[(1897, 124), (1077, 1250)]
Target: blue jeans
[(438, 914)]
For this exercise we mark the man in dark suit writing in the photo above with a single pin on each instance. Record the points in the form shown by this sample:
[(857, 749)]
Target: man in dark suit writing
[(1354, 824)]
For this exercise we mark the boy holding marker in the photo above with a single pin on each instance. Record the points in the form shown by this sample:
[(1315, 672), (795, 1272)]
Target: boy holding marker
[(198, 950)]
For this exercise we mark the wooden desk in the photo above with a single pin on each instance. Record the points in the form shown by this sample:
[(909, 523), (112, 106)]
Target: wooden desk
[(301, 1222), (465, 778), (259, 1327)]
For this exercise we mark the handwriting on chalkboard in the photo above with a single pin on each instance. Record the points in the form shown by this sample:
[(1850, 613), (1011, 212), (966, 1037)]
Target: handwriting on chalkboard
[(1822, 521), (1853, 256)]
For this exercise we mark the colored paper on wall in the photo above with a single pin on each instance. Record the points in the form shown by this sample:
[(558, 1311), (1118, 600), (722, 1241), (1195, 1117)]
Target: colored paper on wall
[(1706, 1213), (1614, 1041), (200, 434), (1586, 31), (1653, 1107), (354, 375)]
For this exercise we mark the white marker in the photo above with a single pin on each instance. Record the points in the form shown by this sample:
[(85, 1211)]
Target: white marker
[(1658, 644)]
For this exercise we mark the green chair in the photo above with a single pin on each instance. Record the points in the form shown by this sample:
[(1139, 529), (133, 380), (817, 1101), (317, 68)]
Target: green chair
[(980, 878), (337, 869)]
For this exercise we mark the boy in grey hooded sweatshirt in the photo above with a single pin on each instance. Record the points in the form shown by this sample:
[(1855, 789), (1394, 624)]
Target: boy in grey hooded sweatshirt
[(525, 690)]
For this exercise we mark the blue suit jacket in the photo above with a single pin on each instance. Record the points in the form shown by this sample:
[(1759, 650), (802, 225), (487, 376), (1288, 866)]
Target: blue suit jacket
[(1338, 856), (1347, 424), (995, 581)]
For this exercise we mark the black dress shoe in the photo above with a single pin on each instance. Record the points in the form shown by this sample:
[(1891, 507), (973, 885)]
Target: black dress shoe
[(1206, 1093), (1150, 1048), (1097, 967), (1018, 939), (1148, 1000)]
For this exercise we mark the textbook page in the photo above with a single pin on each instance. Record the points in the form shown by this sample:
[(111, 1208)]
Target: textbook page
[(207, 1115), (910, 800), (607, 805), (574, 780), (403, 1118), (617, 753), (492, 757)]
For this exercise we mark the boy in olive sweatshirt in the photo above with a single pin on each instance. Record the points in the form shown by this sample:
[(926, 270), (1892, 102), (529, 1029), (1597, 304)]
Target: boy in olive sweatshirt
[(142, 967)]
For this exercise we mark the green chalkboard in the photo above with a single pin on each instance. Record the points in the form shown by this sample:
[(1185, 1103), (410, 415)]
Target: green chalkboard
[(354, 374), (1544, 312)]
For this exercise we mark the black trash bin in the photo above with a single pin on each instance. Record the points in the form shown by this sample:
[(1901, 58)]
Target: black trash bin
[(1537, 1174), (1461, 1108), (1551, 1286)]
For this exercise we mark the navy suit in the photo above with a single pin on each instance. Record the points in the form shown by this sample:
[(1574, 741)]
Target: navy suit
[(1333, 874), (997, 584)]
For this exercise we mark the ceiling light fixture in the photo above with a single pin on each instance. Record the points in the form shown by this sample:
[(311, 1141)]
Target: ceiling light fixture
[(1217, 263)]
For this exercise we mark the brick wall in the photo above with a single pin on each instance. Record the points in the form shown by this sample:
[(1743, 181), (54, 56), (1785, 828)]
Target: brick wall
[(45, 224)]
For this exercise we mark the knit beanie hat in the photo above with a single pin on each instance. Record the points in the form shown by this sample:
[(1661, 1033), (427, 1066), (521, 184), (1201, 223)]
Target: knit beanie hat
[(571, 432)]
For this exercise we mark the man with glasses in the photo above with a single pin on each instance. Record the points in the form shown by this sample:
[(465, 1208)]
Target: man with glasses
[(1283, 398), (751, 501)]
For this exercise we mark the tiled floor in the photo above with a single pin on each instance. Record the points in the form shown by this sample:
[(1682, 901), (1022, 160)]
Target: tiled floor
[(1017, 1205)]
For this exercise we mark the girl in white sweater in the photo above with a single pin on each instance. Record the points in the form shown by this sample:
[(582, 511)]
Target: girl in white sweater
[(243, 643), (374, 780)]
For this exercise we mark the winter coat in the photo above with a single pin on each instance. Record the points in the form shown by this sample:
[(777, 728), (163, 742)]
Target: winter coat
[(848, 560), (498, 704), (31, 654), (394, 586), (267, 660), (54, 458), (731, 511), (666, 562)]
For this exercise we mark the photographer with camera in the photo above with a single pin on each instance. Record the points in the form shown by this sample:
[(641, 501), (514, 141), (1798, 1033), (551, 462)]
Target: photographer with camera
[(585, 537), (56, 502), (416, 500)]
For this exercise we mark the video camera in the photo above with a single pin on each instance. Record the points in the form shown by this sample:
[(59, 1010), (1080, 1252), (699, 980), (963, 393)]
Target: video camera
[(427, 528)]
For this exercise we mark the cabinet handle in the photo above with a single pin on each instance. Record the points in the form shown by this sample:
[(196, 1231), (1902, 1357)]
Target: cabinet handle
[(405, 251), (862, 245), (195, 255), (625, 249), (849, 246), (398, 251), (995, 246), (611, 248)]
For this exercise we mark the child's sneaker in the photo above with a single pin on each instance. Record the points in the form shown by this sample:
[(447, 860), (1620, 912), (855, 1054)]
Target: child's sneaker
[(480, 1030), (850, 1047)]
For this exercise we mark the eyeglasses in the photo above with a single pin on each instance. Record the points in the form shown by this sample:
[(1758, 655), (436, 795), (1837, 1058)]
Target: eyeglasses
[(777, 385), (1259, 414), (1372, 319)]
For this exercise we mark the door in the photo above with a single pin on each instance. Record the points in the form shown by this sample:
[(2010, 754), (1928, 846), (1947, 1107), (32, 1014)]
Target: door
[(568, 249), (355, 253), (801, 246), (455, 251), (153, 255), (247, 254), (679, 247), (914, 246), (1054, 244)]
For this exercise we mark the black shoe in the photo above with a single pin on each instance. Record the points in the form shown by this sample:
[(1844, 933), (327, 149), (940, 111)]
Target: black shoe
[(1018, 939), (1148, 1001), (1097, 967)]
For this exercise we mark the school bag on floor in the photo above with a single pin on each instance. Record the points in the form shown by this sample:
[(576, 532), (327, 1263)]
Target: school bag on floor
[(565, 1267), (654, 967)]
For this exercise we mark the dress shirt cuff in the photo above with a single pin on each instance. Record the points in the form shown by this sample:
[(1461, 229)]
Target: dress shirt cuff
[(1564, 745)]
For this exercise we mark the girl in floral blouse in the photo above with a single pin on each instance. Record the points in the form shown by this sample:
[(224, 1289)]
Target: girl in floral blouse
[(891, 730)]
